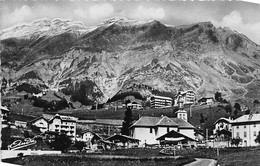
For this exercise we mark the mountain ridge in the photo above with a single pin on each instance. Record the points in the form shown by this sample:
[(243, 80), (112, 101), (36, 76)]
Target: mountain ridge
[(120, 52)]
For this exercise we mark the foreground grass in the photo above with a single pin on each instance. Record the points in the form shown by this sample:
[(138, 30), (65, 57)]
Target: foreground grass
[(228, 156), (82, 160)]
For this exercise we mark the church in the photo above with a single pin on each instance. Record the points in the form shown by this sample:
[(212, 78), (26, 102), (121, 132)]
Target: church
[(150, 130)]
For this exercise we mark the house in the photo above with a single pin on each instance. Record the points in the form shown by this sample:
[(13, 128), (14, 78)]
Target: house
[(42, 123), (223, 124), (206, 101), (4, 116), (161, 102), (123, 141), (246, 127), (147, 129), (19, 123), (63, 124), (187, 97)]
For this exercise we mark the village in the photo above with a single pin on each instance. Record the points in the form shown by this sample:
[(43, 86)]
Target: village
[(54, 133)]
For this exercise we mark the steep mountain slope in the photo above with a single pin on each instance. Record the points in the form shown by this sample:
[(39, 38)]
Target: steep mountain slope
[(118, 53)]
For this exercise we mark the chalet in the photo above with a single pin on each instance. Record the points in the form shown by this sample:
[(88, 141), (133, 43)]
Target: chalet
[(223, 124), (41, 123), (206, 101), (246, 127)]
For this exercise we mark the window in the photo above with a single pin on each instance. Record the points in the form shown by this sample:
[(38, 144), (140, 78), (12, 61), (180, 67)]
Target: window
[(237, 134), (244, 126), (237, 127), (151, 130), (245, 134), (254, 125), (168, 129), (254, 133)]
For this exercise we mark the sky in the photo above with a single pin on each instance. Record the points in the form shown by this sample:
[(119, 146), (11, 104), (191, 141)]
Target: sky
[(244, 17)]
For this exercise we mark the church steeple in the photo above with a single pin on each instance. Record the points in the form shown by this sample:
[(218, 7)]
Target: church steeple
[(181, 113)]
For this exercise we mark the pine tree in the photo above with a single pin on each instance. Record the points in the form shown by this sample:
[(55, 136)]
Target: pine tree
[(257, 140), (128, 121)]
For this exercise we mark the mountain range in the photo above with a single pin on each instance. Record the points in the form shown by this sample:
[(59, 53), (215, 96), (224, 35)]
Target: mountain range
[(119, 55)]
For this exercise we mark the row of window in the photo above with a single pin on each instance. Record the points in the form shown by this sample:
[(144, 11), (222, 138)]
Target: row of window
[(245, 134), (245, 126)]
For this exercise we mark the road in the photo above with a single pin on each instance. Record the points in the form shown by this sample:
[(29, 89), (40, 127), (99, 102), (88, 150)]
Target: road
[(203, 162)]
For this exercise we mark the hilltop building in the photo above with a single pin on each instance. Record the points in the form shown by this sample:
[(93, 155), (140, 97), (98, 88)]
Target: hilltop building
[(246, 127), (187, 97), (206, 101), (161, 102)]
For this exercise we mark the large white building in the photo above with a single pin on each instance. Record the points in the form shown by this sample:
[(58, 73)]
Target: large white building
[(187, 97), (161, 102), (58, 123), (63, 124), (147, 129), (246, 127)]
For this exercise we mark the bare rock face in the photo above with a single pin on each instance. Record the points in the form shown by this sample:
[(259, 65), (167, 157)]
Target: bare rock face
[(119, 53)]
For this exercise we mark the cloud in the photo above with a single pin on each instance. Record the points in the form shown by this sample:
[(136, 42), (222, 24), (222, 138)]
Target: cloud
[(101, 10), (234, 20), (19, 15), (143, 13)]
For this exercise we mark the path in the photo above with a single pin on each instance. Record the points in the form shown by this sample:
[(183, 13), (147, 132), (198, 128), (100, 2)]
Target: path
[(203, 162)]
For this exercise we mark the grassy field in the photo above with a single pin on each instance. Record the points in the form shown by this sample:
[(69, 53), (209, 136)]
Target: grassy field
[(228, 157)]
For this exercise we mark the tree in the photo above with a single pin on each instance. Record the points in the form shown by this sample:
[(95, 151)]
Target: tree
[(128, 121), (256, 102), (257, 140), (61, 142), (228, 108), (79, 145), (236, 141), (237, 106), (218, 96)]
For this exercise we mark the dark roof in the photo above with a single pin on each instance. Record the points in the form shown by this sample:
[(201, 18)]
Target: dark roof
[(182, 124), (114, 122), (224, 120), (174, 134), (19, 117), (148, 121), (41, 117), (122, 138)]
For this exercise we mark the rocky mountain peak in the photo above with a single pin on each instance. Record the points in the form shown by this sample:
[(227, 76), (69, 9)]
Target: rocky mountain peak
[(110, 58)]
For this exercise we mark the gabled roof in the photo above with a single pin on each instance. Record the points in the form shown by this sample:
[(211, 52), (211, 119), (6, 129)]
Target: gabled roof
[(122, 138), (183, 124), (41, 117), (64, 118), (174, 134), (224, 119), (165, 121), (114, 122), (4, 108), (148, 121), (247, 118)]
